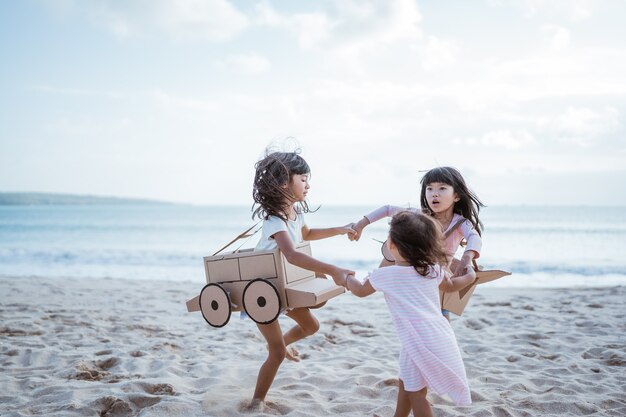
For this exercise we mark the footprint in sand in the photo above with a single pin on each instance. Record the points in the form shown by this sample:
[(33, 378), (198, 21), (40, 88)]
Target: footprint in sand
[(95, 371), (143, 401), (391, 382), (108, 363), (158, 389), (113, 407), (267, 407), (473, 324)]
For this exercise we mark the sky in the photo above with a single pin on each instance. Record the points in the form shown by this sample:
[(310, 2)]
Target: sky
[(177, 99)]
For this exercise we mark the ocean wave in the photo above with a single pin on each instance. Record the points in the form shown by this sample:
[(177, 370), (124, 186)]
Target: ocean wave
[(550, 230), (560, 268), (527, 267), (168, 258), (97, 257)]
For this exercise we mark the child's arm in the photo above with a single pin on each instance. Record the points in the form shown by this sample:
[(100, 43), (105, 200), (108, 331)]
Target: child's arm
[(472, 250), (358, 228), (374, 216), (358, 288), (457, 283), (317, 234), (294, 257), (465, 262)]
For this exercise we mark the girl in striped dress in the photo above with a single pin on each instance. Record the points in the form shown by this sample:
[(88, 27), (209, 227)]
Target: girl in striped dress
[(430, 357)]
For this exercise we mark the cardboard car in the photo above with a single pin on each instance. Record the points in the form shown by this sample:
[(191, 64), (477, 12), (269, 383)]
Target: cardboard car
[(261, 283)]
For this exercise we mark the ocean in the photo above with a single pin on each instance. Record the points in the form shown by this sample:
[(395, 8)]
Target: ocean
[(541, 246)]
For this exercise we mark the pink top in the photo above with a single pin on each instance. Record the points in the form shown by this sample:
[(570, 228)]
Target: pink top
[(464, 231), (426, 336)]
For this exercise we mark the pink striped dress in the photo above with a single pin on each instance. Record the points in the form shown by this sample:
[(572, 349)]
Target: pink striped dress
[(430, 356)]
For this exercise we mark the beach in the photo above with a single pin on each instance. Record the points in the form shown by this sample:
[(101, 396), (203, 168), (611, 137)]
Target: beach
[(115, 347)]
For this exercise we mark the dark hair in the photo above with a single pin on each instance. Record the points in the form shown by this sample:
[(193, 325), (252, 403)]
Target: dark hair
[(272, 173), (469, 204), (418, 239)]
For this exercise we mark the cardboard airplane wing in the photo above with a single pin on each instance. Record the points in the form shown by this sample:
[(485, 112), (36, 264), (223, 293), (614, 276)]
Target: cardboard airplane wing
[(455, 302)]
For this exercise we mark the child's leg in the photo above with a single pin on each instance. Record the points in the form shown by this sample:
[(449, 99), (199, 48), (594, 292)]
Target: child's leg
[(403, 405), (306, 325), (419, 403), (276, 354)]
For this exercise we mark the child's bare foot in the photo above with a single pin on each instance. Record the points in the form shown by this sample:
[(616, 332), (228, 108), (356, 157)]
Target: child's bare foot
[(256, 405), (292, 354)]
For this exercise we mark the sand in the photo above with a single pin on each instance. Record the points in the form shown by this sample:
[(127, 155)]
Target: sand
[(107, 347)]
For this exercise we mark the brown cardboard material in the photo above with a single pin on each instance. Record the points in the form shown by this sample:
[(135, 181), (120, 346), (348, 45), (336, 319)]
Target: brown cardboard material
[(261, 283), (455, 302)]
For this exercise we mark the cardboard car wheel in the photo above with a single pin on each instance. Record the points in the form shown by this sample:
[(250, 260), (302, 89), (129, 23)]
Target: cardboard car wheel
[(386, 254), (261, 301), (215, 305)]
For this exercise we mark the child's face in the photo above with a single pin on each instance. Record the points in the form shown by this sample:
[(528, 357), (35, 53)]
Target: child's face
[(440, 196), (299, 186)]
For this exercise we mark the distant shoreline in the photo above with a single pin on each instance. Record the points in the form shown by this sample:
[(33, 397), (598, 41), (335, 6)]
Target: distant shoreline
[(51, 199), (48, 199)]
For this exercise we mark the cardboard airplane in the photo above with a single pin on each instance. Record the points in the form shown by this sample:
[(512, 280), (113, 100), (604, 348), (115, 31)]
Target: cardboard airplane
[(455, 302)]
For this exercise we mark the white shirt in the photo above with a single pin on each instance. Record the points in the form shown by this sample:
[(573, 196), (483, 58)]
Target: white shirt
[(275, 224)]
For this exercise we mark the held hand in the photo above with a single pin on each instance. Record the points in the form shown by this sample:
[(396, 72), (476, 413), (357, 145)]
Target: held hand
[(467, 270), (465, 264), (466, 279), (471, 273), (358, 229), (356, 235), (347, 229), (458, 282), (351, 274), (340, 276)]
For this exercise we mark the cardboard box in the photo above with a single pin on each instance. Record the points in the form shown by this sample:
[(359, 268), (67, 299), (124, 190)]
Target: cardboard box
[(261, 283)]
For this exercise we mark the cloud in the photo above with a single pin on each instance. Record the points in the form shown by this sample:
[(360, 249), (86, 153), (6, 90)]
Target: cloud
[(250, 63), (439, 53), (204, 20), (77, 91), (347, 24), (582, 125), (212, 20), (573, 10), (310, 29), (559, 36), (504, 138)]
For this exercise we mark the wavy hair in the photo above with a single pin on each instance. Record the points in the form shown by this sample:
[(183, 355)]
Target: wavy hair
[(272, 173), (469, 204), (418, 239)]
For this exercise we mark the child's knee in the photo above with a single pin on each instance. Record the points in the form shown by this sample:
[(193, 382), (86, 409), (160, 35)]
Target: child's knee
[(277, 354), (311, 327)]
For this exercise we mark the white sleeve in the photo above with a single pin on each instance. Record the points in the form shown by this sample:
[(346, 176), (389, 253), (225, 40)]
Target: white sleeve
[(473, 239), (386, 211), (271, 226)]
